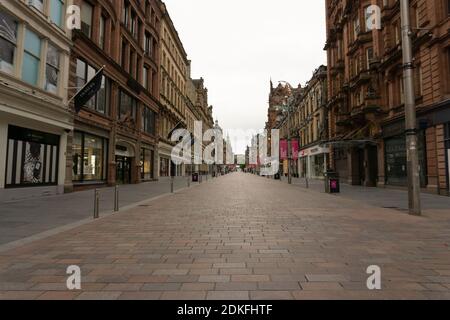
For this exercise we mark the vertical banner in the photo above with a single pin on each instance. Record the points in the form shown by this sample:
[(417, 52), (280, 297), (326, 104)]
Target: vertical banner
[(294, 144), (283, 149)]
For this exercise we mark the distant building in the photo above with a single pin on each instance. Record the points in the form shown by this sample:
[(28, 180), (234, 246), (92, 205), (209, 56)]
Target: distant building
[(174, 67)]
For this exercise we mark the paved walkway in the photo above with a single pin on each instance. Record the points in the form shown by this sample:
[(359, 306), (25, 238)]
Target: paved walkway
[(394, 198), (25, 218), (240, 237)]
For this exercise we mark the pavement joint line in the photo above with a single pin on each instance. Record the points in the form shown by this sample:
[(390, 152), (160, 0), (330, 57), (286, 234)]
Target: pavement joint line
[(104, 214)]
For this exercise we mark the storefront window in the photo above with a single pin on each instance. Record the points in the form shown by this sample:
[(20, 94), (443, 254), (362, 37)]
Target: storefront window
[(146, 164), (89, 154), (32, 158), (164, 167), (396, 164), (317, 164)]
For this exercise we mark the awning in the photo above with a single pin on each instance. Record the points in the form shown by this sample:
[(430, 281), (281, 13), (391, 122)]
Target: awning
[(357, 137)]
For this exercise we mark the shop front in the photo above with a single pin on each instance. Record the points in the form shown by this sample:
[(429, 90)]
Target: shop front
[(396, 173), (89, 159), (147, 163), (125, 163), (313, 162), (164, 166), (32, 158)]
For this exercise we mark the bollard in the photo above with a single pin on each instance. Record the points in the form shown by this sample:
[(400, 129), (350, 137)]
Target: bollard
[(188, 181), (171, 184), (116, 198), (307, 183), (96, 204)]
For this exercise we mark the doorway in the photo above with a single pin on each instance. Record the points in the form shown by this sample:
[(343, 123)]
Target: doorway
[(361, 166), (372, 163), (123, 170)]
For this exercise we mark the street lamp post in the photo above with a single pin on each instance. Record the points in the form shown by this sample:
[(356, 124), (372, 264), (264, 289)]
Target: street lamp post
[(410, 112)]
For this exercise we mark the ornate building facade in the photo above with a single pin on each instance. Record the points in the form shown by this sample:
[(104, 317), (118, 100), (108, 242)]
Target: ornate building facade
[(198, 95), (312, 127), (174, 67), (35, 120), (115, 138), (365, 92)]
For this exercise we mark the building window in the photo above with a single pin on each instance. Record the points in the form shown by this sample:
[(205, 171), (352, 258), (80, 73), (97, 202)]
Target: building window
[(32, 158), (31, 58), (8, 42), (52, 69), (148, 121), (164, 167), (38, 4), (145, 77), (101, 36), (127, 108), (133, 24), (148, 45), (369, 57), (57, 12), (89, 155), (86, 18), (100, 101), (146, 164), (124, 54), (356, 27)]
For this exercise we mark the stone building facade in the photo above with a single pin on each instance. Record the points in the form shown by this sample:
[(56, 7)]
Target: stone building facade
[(174, 67), (365, 92), (115, 138), (312, 126), (35, 120), (199, 98)]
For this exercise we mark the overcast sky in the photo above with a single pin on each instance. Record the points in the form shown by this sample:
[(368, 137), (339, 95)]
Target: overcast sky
[(238, 45)]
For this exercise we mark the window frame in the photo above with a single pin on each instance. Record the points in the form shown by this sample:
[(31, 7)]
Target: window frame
[(105, 160), (86, 3), (55, 67), (15, 45), (106, 82), (32, 55)]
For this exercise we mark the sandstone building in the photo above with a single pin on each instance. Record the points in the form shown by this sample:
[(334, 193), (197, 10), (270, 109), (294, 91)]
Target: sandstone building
[(365, 92), (115, 138), (35, 120)]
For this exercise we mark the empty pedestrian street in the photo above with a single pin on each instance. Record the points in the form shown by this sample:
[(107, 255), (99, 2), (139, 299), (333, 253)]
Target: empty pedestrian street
[(241, 236)]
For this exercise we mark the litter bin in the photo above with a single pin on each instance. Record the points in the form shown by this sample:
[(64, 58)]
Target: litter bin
[(277, 176), (332, 183), (195, 177)]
